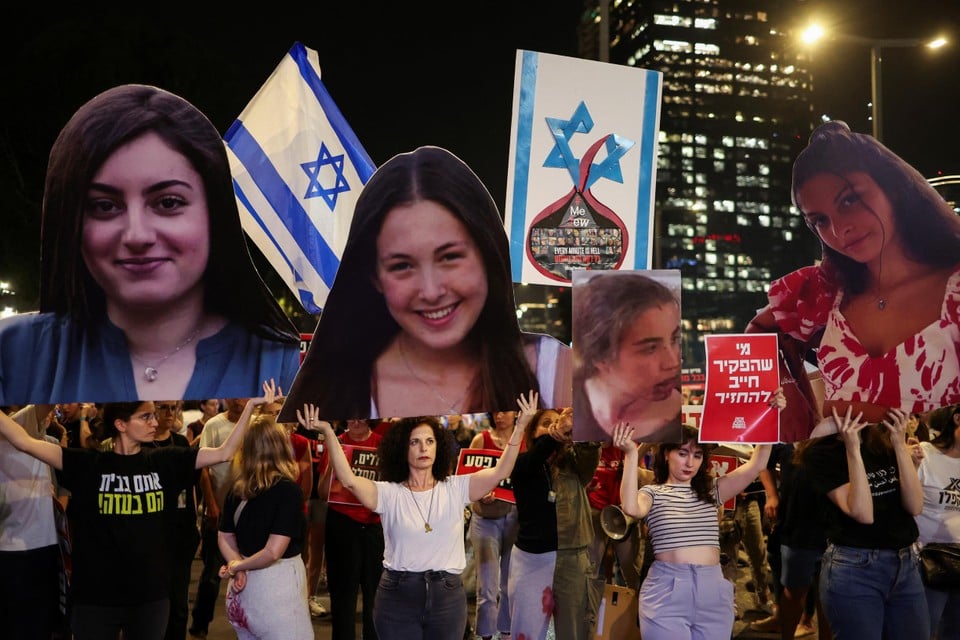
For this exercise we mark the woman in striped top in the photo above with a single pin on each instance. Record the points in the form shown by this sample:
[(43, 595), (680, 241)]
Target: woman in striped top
[(684, 594)]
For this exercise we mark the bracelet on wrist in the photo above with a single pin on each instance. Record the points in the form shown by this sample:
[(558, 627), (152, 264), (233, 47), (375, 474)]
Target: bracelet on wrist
[(514, 444)]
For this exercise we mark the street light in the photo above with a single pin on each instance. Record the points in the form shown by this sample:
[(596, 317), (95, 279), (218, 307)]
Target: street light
[(815, 32)]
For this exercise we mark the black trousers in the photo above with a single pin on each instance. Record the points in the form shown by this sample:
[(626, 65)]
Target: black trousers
[(354, 556), (208, 586), (30, 593)]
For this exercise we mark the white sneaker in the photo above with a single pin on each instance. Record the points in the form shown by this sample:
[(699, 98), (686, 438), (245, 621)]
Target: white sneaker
[(317, 610)]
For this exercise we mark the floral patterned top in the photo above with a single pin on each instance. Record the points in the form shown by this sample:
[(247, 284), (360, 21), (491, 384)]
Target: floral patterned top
[(920, 374)]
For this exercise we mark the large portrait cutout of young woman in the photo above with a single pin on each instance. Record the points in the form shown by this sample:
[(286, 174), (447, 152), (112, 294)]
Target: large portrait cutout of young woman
[(147, 289), (421, 318)]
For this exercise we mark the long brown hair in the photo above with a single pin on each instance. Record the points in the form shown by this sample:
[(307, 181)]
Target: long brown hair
[(928, 226), (264, 458), (232, 286), (701, 482), (336, 373)]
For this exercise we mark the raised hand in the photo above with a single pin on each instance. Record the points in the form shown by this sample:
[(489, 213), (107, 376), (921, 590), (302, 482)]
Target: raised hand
[(623, 437), (849, 427), (528, 406), (310, 418), (896, 424), (562, 429), (270, 393)]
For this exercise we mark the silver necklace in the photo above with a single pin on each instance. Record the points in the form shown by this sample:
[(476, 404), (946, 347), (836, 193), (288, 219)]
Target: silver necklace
[(426, 521), (151, 371), (451, 406)]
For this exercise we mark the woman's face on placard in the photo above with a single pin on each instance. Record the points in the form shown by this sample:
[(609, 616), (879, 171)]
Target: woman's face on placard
[(146, 227), (431, 274), (851, 214), (647, 363)]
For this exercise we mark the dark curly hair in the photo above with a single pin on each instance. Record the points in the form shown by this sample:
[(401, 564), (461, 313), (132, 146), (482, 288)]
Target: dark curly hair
[(701, 482), (393, 449), (929, 227)]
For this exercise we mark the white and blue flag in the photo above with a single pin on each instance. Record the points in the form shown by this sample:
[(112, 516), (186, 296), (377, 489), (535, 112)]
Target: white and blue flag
[(297, 171)]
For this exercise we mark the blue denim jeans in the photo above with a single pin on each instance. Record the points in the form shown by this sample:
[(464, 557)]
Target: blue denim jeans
[(869, 594), (426, 605), (492, 540)]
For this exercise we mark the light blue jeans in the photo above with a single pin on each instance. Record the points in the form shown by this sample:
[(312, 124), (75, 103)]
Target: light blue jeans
[(869, 594), (492, 540)]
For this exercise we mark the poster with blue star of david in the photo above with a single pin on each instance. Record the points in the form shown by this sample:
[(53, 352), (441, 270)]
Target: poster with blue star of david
[(582, 167)]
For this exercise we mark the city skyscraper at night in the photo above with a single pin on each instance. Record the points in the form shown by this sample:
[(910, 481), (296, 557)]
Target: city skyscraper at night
[(736, 111)]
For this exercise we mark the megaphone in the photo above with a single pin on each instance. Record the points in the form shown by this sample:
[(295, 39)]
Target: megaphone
[(615, 523)]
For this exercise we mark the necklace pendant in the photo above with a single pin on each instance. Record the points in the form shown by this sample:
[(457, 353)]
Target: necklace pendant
[(427, 528), (150, 373), (882, 304)]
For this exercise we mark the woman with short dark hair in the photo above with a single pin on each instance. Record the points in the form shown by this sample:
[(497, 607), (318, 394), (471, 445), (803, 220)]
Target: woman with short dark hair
[(118, 511)]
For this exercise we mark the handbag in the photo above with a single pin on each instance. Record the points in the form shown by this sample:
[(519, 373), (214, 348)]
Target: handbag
[(940, 565)]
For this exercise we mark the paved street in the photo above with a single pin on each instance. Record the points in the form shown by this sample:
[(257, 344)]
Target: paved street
[(220, 629)]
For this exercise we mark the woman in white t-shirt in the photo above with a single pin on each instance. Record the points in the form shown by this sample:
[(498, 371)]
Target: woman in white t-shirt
[(939, 521), (421, 506)]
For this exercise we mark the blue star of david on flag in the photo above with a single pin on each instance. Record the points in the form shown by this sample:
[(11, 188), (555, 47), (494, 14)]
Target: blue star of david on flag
[(562, 156), (313, 170)]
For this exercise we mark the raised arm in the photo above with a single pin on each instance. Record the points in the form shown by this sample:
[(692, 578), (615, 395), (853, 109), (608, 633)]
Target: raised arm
[(634, 503), (737, 480), (853, 498), (911, 491), (484, 481), (363, 489), (42, 450), (212, 455)]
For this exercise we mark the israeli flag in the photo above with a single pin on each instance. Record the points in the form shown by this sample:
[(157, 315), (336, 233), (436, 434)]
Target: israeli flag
[(297, 171)]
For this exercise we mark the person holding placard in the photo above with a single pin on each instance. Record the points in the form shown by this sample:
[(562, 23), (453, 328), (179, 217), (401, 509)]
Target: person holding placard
[(684, 594)]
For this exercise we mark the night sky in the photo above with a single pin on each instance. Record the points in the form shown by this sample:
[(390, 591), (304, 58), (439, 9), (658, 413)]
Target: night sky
[(401, 80)]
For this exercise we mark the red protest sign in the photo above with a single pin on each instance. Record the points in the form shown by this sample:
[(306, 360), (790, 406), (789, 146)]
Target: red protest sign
[(365, 463), (742, 372), (472, 460)]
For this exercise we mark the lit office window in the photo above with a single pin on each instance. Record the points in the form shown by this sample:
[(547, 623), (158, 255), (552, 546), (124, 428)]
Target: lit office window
[(673, 45), (672, 20)]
